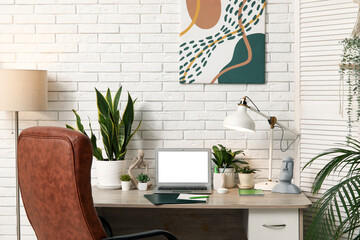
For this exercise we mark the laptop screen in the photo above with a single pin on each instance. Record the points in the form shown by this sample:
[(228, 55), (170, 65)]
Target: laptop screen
[(183, 166)]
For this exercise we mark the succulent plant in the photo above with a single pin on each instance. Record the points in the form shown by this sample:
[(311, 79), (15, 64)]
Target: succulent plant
[(143, 178), (125, 178)]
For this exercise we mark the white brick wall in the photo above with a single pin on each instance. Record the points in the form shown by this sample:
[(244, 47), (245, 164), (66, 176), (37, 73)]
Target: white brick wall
[(107, 43)]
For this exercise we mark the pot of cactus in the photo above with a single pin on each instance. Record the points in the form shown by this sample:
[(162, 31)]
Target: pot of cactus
[(225, 161), (116, 133), (246, 177), (142, 181), (125, 182)]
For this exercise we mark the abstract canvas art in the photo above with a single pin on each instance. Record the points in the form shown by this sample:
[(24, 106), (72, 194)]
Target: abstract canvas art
[(222, 41)]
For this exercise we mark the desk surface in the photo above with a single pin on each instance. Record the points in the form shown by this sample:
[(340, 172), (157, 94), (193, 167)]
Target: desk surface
[(231, 200)]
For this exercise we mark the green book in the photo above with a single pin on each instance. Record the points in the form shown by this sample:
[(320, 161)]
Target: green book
[(251, 192)]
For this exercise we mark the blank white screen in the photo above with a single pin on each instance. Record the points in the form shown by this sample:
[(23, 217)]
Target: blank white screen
[(183, 167)]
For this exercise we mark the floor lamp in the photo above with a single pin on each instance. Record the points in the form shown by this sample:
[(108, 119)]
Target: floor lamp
[(242, 122), (22, 90)]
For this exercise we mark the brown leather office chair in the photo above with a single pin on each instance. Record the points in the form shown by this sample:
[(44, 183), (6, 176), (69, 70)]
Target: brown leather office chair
[(54, 176)]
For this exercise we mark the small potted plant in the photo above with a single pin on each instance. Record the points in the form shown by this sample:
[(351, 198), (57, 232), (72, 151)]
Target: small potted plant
[(142, 181), (246, 177), (225, 161), (125, 182)]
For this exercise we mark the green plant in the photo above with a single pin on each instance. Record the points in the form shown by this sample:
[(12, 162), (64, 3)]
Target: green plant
[(143, 178), (246, 169), (115, 131), (224, 158), (125, 178), (336, 213), (350, 73)]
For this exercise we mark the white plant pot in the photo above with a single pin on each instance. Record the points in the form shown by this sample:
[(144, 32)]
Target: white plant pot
[(109, 172), (218, 180), (125, 185), (142, 186), (246, 180), (229, 177)]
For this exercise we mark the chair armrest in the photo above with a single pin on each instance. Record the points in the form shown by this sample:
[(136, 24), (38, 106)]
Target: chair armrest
[(141, 235)]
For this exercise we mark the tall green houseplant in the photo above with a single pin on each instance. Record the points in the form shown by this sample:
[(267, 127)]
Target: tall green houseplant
[(336, 214), (116, 132)]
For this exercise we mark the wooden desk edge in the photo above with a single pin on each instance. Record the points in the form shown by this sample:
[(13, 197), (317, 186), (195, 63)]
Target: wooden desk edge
[(201, 205), (146, 204)]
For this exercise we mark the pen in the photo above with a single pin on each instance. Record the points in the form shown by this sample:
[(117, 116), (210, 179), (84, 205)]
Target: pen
[(216, 169), (199, 197)]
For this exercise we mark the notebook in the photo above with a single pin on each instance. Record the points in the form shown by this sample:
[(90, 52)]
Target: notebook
[(193, 197), (251, 192)]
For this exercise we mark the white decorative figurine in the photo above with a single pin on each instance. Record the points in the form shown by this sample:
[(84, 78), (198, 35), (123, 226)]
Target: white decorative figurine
[(138, 162), (286, 175)]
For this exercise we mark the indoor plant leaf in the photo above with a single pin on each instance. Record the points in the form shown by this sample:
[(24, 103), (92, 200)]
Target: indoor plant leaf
[(117, 100), (96, 151), (102, 104), (79, 125), (70, 127), (109, 100)]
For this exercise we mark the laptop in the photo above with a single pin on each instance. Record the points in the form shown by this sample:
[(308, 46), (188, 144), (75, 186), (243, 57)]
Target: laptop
[(185, 170)]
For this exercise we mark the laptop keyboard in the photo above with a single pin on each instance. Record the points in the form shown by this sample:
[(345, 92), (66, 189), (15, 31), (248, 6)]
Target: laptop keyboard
[(191, 188)]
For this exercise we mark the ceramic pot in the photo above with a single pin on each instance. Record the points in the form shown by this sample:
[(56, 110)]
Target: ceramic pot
[(229, 177), (246, 180), (125, 185), (218, 180), (142, 186), (109, 172)]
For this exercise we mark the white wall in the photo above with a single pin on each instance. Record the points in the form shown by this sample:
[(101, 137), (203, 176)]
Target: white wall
[(134, 43)]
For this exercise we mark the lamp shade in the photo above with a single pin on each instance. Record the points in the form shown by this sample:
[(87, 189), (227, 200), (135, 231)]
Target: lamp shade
[(23, 90), (240, 121)]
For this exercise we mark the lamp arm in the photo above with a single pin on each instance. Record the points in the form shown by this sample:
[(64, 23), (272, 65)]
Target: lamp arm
[(269, 118)]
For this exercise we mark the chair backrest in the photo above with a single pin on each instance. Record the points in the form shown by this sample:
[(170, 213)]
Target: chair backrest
[(54, 175)]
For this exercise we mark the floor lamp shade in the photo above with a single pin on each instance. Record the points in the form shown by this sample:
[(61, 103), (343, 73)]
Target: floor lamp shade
[(23, 90)]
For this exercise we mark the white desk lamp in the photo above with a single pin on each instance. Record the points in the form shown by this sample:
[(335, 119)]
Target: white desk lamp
[(242, 122), (22, 90)]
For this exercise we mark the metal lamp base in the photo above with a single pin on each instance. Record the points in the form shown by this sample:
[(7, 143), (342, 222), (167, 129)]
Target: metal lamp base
[(266, 186)]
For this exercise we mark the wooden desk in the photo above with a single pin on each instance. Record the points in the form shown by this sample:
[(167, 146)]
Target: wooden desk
[(253, 211)]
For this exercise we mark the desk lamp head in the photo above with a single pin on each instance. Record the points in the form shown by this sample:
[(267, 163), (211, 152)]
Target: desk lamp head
[(240, 120)]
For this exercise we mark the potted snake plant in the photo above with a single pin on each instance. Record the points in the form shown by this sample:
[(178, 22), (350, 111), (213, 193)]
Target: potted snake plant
[(116, 133)]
